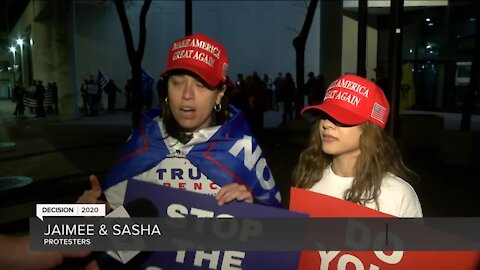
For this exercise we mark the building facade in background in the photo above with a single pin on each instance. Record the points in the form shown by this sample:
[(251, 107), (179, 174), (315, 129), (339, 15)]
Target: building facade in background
[(65, 41)]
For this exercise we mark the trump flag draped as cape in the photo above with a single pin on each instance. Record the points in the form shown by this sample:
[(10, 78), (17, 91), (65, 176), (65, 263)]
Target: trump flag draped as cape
[(231, 155)]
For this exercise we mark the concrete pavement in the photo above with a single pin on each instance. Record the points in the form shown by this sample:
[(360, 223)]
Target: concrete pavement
[(59, 156)]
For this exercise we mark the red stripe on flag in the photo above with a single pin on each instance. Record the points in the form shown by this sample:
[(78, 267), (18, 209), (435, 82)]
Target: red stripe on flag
[(145, 148), (221, 166), (379, 112)]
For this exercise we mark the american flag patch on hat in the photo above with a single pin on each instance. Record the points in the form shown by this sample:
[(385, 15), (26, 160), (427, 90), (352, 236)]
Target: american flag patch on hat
[(379, 113)]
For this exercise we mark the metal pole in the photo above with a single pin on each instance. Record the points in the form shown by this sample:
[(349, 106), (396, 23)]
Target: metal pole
[(469, 99), (14, 69), (331, 31), (188, 17), (395, 54), (362, 38), (73, 59), (21, 64)]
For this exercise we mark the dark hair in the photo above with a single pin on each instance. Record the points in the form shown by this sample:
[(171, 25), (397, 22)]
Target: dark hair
[(172, 127)]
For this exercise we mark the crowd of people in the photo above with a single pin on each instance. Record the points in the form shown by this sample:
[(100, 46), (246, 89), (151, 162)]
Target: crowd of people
[(38, 98), (91, 92), (255, 95), (251, 94)]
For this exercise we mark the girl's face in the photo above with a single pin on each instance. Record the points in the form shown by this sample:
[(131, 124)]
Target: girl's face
[(338, 140), (191, 102)]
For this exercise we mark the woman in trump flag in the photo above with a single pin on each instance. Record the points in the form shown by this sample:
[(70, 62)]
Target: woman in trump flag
[(200, 143)]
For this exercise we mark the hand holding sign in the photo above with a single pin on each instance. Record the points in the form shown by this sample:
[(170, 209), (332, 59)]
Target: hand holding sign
[(232, 192), (180, 203)]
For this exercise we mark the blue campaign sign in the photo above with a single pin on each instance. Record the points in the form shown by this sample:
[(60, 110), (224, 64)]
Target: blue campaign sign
[(165, 198)]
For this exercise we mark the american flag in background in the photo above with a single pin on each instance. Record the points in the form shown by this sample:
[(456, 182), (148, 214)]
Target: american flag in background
[(102, 79), (379, 112)]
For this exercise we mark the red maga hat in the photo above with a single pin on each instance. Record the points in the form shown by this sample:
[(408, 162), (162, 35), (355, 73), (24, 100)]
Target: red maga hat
[(353, 100), (201, 55)]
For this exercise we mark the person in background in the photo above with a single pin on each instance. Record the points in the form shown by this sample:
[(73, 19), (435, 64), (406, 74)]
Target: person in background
[(128, 95), (55, 97), (111, 90), (40, 97), (19, 94), (287, 95), (48, 98), (230, 87), (239, 96), (312, 88), (277, 84), (269, 86), (257, 103), (93, 95), (84, 94), (31, 94)]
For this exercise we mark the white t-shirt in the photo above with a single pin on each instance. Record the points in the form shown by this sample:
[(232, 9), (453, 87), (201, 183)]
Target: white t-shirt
[(175, 170), (397, 197)]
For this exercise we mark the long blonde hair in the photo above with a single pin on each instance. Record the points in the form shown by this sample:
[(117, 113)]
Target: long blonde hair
[(379, 156)]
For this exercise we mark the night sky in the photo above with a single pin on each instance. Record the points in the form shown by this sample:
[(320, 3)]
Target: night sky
[(10, 11)]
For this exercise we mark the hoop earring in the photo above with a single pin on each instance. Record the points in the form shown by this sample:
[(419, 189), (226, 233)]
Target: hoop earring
[(166, 100), (217, 107)]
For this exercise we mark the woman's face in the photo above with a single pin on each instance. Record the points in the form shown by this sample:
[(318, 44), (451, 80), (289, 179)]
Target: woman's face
[(338, 140), (191, 102)]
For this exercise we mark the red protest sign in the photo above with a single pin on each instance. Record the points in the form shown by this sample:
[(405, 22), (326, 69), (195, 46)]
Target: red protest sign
[(319, 205)]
